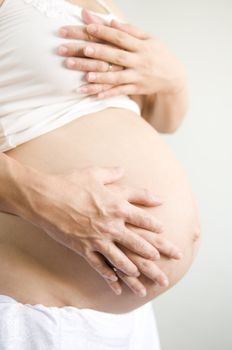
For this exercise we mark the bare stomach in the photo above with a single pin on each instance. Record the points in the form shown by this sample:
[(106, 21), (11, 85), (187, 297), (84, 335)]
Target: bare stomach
[(36, 269)]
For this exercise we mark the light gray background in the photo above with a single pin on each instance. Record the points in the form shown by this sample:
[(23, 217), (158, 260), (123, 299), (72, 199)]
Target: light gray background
[(197, 313)]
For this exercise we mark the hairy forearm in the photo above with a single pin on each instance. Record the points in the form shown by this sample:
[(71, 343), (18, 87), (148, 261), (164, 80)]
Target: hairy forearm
[(164, 111)]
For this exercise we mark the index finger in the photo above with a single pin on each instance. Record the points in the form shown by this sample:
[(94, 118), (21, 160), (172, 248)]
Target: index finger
[(76, 32), (140, 218), (113, 36)]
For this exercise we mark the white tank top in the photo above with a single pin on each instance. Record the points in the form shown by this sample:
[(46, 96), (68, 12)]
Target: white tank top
[(37, 92)]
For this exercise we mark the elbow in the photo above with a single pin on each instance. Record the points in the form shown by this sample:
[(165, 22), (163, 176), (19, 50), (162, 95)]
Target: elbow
[(170, 126), (168, 129)]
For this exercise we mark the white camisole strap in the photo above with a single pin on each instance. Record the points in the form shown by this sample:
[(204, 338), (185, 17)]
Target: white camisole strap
[(106, 7)]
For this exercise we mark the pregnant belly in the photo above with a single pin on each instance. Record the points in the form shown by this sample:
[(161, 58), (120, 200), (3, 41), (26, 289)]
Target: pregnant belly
[(37, 269)]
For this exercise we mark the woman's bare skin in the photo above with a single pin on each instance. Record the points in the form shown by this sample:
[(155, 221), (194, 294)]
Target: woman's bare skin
[(56, 276)]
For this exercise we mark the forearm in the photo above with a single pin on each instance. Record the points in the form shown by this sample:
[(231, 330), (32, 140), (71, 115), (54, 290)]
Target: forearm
[(17, 183), (164, 111)]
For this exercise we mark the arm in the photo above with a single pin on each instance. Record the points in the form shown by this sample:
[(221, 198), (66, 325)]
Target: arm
[(164, 111), (14, 179)]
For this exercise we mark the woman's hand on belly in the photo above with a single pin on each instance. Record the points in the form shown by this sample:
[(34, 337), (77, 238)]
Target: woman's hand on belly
[(148, 267), (141, 63), (79, 211)]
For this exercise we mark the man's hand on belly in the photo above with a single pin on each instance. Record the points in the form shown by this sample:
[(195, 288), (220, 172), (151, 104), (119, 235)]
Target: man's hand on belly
[(148, 267), (79, 211)]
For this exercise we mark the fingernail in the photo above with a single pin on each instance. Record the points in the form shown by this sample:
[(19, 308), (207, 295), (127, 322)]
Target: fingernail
[(101, 95), (89, 50), (157, 199), (165, 282), (70, 62), (118, 291), (91, 76), (62, 50), (160, 229), (179, 255), (63, 32), (82, 90), (137, 274), (142, 292), (118, 168), (156, 256), (112, 278), (92, 28)]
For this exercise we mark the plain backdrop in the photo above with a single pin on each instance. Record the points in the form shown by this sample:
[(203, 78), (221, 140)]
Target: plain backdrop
[(197, 313)]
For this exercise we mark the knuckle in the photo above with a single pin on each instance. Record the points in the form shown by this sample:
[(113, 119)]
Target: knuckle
[(119, 209), (102, 227), (121, 275), (75, 49), (119, 58), (93, 89), (139, 245), (101, 66), (122, 266), (144, 264), (103, 87), (81, 65), (159, 242), (72, 49), (73, 32), (119, 38), (70, 63), (134, 284), (116, 68), (147, 221), (196, 233), (98, 266), (109, 227), (97, 244), (87, 254)]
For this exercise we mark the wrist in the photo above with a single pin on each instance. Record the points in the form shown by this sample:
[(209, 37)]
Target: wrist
[(177, 86)]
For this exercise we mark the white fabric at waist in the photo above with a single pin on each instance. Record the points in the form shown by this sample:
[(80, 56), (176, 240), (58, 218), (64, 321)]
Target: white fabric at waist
[(16, 131)]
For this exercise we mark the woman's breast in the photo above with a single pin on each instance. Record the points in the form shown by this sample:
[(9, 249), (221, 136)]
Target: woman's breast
[(29, 41), (107, 138)]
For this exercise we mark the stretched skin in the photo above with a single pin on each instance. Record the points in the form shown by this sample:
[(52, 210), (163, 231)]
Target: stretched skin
[(37, 269)]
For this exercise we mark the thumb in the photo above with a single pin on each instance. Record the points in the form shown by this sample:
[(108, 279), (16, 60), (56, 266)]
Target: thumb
[(110, 174), (89, 18)]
